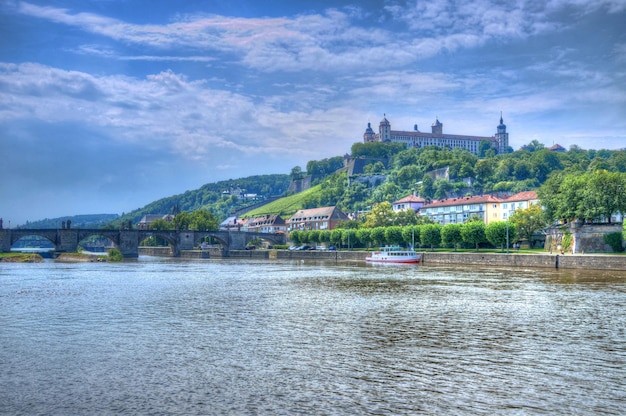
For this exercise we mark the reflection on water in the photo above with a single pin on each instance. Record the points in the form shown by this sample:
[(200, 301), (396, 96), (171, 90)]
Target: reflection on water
[(268, 337)]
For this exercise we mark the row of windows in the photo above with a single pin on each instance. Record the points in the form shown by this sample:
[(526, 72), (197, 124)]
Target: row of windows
[(454, 218), (454, 208), (309, 226), (308, 219)]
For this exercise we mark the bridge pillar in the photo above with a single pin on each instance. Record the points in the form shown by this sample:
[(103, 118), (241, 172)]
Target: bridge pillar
[(237, 241), (67, 241), (129, 243), (186, 240), (5, 240)]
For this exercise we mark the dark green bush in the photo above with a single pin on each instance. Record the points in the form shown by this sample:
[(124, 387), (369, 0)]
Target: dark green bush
[(616, 241), (115, 255)]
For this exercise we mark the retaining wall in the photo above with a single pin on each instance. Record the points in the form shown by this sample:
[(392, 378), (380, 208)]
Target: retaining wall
[(567, 261)]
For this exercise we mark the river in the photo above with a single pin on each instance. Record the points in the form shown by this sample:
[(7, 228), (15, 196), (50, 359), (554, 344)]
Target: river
[(247, 337)]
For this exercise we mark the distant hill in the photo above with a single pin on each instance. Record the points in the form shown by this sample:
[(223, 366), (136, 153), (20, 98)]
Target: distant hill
[(93, 221), (221, 198)]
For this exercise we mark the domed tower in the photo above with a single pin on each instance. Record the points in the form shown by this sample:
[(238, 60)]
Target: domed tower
[(502, 137), (369, 135), (437, 127), (384, 129)]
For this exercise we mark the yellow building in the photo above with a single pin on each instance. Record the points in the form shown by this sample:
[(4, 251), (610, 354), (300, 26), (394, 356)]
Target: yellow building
[(489, 208)]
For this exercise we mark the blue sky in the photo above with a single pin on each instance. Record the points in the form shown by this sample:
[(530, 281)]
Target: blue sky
[(108, 105)]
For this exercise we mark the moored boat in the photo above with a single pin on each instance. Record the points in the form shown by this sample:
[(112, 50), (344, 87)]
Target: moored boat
[(393, 254)]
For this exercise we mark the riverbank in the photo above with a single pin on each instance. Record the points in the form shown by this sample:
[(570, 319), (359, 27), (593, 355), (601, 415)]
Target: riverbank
[(547, 260), (542, 260), (20, 258)]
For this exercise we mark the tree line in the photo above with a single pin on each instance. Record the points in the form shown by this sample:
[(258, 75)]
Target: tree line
[(473, 234)]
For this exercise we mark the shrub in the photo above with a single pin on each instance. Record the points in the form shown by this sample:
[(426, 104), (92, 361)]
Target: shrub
[(115, 255), (616, 241)]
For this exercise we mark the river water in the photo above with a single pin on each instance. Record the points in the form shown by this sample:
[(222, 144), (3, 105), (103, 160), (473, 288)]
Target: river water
[(246, 337)]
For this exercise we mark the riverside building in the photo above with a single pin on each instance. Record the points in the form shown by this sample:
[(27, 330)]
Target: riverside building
[(415, 138)]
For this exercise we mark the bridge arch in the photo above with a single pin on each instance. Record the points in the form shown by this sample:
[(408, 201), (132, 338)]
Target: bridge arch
[(97, 241), (33, 242)]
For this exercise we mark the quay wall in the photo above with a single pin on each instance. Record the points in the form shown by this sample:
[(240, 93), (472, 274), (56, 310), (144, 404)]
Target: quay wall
[(566, 261)]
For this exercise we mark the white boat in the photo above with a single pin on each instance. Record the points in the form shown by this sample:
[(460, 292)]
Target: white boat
[(394, 254)]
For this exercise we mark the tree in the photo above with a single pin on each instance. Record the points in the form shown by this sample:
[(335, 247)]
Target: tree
[(182, 221), (483, 146), (314, 236), (325, 236), (161, 224), (378, 235), (442, 187), (296, 237), (451, 235), (405, 217), (364, 236), (500, 233), (430, 235), (381, 215), (605, 195), (427, 189), (473, 232), (348, 237), (529, 221), (411, 235), (203, 220), (408, 176), (296, 173), (335, 236), (393, 235), (374, 168)]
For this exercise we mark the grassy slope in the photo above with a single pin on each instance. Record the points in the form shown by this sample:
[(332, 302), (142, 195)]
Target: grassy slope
[(286, 206)]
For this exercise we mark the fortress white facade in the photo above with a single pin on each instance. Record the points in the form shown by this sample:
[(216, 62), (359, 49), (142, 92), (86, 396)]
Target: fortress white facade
[(499, 142)]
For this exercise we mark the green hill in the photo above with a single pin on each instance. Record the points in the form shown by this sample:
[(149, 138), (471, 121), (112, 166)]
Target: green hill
[(77, 221), (286, 206)]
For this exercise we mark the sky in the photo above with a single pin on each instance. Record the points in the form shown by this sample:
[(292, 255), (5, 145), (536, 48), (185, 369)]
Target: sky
[(108, 105)]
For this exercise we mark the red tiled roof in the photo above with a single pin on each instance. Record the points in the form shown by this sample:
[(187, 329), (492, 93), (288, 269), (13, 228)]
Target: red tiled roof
[(481, 199), (318, 213), (522, 196), (410, 198)]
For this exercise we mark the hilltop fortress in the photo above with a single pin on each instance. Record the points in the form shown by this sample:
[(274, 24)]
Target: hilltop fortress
[(499, 142)]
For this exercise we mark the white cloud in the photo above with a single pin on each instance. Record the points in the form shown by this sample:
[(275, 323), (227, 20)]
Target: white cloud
[(331, 41)]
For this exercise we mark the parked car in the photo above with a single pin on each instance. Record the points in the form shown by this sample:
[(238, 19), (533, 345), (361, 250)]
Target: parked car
[(305, 247), (332, 248), (292, 248), (320, 248)]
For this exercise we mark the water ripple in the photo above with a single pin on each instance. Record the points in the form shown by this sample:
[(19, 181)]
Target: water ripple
[(269, 337)]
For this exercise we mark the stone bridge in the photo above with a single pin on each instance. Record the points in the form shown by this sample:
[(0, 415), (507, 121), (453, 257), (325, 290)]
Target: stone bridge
[(127, 241)]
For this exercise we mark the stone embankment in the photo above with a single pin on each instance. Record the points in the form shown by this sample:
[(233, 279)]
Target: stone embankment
[(567, 261), (545, 260)]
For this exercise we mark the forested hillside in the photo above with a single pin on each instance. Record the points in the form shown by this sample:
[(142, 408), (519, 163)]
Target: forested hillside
[(220, 198), (94, 221), (431, 172), (437, 173)]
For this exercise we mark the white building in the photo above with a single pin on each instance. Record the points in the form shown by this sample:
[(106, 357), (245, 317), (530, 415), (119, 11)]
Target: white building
[(416, 138)]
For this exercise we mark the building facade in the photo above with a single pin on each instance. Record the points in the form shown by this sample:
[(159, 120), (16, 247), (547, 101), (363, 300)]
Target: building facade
[(499, 142), (489, 208), (325, 218), (408, 202)]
